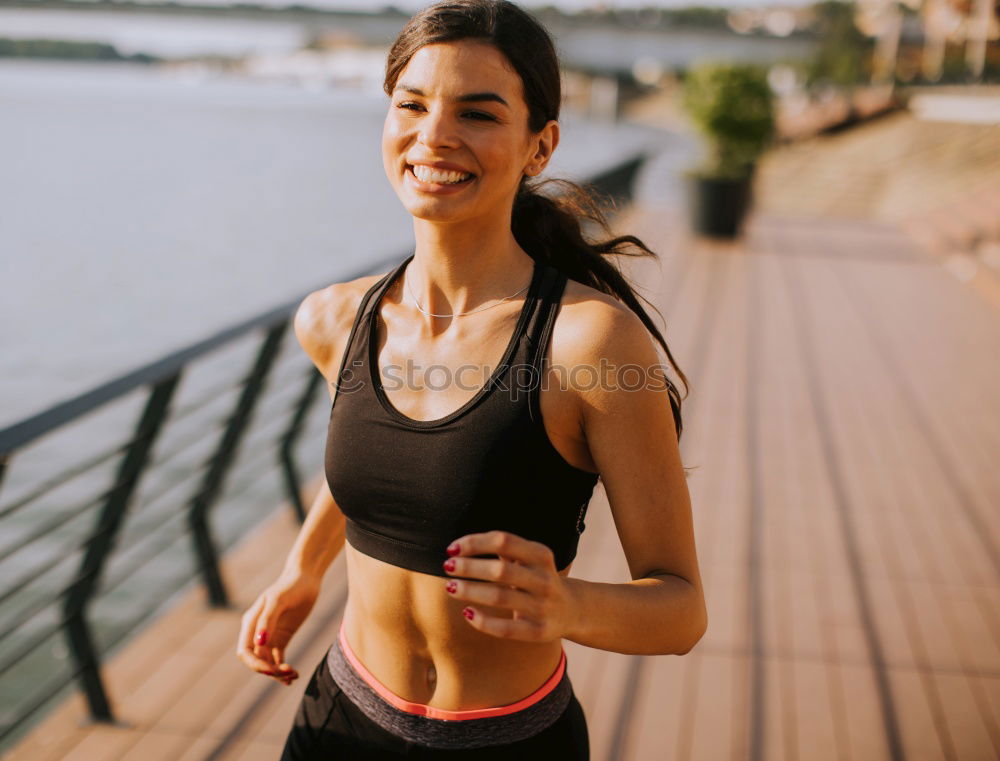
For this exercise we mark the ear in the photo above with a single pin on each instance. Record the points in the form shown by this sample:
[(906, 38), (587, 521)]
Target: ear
[(544, 143)]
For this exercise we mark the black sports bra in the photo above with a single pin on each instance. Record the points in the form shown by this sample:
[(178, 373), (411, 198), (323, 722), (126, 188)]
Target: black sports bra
[(408, 488)]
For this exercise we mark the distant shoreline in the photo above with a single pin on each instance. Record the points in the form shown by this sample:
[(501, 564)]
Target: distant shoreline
[(693, 16), (68, 50)]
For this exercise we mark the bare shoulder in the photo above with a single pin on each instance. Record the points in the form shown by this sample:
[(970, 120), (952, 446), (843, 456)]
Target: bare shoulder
[(598, 337), (324, 318), (593, 326)]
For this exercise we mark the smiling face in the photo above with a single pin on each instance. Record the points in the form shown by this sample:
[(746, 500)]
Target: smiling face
[(460, 104)]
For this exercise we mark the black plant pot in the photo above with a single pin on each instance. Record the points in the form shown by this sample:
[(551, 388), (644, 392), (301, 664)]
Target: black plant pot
[(718, 205)]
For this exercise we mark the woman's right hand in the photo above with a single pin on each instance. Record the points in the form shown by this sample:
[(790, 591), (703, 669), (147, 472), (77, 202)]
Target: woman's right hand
[(270, 622)]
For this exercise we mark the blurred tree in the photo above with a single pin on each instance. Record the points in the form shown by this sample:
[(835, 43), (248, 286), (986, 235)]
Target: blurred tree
[(733, 106), (843, 57)]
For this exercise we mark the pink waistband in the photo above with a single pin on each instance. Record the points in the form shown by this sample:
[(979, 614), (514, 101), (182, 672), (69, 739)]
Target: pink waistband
[(441, 713)]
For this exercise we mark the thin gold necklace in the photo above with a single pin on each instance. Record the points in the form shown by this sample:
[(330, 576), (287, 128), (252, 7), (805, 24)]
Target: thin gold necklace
[(460, 314)]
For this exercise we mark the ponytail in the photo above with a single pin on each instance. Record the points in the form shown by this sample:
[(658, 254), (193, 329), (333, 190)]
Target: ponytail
[(549, 229)]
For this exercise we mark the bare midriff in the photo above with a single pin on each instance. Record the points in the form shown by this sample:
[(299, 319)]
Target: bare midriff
[(412, 637)]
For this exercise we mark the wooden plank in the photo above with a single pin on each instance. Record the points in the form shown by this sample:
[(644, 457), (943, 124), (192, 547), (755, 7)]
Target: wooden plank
[(925, 736), (865, 728), (253, 751), (101, 742), (804, 702), (816, 730), (781, 727), (659, 727), (154, 744), (717, 718), (971, 722)]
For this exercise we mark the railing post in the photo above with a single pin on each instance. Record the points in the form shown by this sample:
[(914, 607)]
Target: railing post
[(102, 542), (292, 482), (211, 486)]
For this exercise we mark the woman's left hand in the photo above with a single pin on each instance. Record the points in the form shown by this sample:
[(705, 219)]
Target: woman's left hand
[(523, 579)]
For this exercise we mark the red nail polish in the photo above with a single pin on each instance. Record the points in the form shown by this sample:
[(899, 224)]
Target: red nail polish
[(451, 586), (262, 638), (449, 565), (468, 613), (453, 549)]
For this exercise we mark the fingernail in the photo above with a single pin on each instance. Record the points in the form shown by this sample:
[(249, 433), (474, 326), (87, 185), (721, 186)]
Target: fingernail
[(262, 638), (468, 613), (449, 565), (453, 549), (451, 586)]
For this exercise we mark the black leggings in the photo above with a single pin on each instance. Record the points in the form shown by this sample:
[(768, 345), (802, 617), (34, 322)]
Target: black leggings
[(328, 726)]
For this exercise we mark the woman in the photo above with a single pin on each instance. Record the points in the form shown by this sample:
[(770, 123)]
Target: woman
[(461, 506)]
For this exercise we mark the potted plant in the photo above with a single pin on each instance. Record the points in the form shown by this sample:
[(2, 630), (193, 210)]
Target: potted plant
[(732, 106)]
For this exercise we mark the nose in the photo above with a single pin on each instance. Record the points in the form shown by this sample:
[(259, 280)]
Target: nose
[(437, 130)]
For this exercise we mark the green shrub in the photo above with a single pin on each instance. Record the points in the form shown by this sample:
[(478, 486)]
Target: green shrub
[(732, 105)]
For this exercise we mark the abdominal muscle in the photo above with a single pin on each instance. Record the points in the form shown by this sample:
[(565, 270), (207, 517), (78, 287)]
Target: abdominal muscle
[(412, 637)]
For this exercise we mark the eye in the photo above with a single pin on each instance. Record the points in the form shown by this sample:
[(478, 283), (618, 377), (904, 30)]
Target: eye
[(479, 115)]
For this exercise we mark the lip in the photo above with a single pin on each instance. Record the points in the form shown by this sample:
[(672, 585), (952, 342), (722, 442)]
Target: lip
[(434, 188)]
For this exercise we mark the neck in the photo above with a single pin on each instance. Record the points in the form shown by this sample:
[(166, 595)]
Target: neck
[(459, 268)]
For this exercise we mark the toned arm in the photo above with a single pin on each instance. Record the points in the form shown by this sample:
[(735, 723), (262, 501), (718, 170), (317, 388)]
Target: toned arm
[(321, 324), (629, 429)]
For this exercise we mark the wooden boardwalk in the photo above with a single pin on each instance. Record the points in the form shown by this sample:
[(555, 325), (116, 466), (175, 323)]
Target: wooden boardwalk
[(844, 422)]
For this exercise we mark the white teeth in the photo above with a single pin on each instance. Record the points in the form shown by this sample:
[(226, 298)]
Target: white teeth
[(426, 174)]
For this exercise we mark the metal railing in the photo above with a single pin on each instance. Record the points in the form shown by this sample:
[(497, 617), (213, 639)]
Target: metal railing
[(66, 548)]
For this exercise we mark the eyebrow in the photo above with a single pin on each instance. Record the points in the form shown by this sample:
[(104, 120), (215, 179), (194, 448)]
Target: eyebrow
[(469, 97)]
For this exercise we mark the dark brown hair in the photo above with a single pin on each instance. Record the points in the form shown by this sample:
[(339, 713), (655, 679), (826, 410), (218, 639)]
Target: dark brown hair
[(548, 228)]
